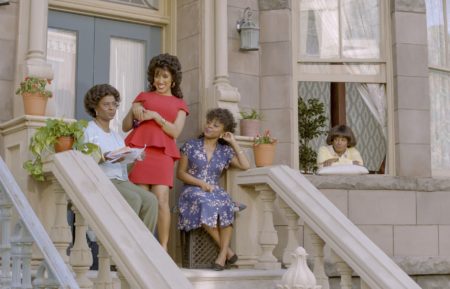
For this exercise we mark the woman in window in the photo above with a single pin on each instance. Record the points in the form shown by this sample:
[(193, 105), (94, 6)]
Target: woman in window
[(340, 149)]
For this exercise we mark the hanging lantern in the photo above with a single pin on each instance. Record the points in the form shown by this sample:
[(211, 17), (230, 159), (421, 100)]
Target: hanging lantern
[(248, 30)]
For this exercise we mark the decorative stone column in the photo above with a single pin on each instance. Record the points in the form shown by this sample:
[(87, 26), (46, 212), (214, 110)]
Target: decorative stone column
[(344, 270), (319, 263), (80, 254), (31, 46), (5, 246), (35, 62), (224, 95), (60, 233), (268, 236), (292, 232)]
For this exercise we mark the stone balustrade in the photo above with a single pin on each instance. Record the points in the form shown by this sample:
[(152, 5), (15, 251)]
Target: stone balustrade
[(324, 226)]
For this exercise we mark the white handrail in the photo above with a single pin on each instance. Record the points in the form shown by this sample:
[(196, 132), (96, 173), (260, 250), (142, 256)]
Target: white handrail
[(133, 248), (42, 240), (370, 262)]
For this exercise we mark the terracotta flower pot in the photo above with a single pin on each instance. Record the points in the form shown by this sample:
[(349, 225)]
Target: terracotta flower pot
[(63, 143), (264, 154), (249, 127), (34, 103)]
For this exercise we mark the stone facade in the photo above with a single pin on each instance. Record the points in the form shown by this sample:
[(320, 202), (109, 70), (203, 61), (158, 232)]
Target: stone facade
[(411, 93)]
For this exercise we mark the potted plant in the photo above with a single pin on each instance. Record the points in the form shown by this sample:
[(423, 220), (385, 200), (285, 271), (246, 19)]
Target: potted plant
[(250, 122), (264, 149), (311, 124), (34, 95), (57, 135)]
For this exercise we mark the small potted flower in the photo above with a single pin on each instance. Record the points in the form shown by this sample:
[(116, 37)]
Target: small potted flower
[(264, 149), (34, 95), (249, 123)]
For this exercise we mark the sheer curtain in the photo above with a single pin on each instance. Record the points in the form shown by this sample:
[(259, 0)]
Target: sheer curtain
[(61, 54), (127, 74), (374, 97)]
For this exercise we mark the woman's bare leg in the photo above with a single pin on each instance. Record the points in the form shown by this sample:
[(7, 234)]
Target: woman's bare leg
[(215, 234), (162, 193), (225, 237)]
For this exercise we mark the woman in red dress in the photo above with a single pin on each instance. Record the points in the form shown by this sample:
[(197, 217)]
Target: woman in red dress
[(157, 118)]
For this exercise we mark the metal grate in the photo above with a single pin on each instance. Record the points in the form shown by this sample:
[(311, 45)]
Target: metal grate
[(199, 249)]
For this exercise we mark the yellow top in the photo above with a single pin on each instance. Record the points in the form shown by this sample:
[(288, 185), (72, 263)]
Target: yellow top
[(347, 158)]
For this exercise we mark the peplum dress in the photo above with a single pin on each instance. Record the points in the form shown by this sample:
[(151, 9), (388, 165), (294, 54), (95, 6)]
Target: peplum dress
[(161, 151), (197, 207)]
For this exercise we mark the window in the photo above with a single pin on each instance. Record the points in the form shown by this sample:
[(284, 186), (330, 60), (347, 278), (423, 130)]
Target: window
[(339, 29), (345, 41), (438, 12)]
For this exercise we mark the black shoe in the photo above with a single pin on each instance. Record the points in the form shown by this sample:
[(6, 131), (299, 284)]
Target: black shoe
[(217, 267), (233, 259)]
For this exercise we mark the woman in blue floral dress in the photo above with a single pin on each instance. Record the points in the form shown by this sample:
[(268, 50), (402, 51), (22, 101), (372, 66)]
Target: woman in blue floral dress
[(202, 202)]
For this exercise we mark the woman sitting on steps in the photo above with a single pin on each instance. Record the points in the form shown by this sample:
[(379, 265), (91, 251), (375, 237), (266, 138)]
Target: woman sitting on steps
[(202, 202)]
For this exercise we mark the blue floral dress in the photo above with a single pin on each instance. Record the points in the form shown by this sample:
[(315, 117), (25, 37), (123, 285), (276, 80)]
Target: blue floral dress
[(198, 207)]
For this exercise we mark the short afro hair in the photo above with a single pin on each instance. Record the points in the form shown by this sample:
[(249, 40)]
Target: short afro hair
[(95, 94)]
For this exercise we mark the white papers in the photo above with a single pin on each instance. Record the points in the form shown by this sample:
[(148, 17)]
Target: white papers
[(126, 155)]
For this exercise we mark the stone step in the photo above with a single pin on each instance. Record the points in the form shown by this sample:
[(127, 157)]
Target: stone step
[(233, 278)]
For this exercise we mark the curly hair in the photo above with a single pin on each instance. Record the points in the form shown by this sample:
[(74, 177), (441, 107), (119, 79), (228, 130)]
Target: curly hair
[(95, 94), (172, 64), (342, 131), (225, 117)]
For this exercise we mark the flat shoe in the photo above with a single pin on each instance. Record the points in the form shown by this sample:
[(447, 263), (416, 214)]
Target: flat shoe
[(233, 259), (217, 267)]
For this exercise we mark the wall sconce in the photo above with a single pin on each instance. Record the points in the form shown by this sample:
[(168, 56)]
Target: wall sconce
[(248, 31)]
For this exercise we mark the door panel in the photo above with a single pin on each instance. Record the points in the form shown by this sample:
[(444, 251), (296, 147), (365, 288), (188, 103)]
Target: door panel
[(94, 38), (83, 26)]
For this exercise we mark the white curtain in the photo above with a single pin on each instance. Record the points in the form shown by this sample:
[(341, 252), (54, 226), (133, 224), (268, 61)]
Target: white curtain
[(374, 96), (61, 54), (127, 74)]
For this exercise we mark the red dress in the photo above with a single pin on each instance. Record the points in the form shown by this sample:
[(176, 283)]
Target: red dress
[(161, 149)]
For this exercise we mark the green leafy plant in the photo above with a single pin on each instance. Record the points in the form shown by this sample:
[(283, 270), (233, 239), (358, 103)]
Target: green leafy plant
[(43, 141), (34, 85), (311, 124), (266, 138), (252, 114)]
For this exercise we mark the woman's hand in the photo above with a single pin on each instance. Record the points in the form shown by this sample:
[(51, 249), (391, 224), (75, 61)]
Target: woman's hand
[(138, 111), (329, 162), (206, 187), (357, 163), (229, 137)]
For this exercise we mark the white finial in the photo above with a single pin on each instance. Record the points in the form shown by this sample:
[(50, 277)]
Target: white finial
[(298, 276)]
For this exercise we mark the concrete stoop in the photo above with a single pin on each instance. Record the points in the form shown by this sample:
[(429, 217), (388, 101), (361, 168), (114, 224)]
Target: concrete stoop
[(234, 278)]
